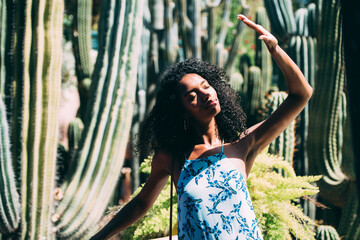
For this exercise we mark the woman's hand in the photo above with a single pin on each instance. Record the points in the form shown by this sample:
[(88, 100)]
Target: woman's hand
[(270, 41)]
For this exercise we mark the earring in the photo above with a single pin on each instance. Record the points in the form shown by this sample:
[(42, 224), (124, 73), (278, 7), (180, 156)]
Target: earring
[(186, 125)]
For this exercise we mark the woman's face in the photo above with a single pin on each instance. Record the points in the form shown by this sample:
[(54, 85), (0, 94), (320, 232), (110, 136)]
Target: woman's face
[(198, 97)]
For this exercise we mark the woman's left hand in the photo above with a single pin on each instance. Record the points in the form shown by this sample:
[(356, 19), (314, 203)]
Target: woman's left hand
[(270, 41)]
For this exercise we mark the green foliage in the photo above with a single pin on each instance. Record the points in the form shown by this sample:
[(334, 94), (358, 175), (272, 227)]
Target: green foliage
[(273, 197)]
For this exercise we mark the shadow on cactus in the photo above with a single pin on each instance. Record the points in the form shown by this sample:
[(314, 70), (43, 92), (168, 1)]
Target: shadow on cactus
[(274, 198)]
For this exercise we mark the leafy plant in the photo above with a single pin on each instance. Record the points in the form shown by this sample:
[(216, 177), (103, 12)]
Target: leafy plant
[(275, 198)]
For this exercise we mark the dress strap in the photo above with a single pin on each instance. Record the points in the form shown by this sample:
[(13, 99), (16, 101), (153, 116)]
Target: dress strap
[(222, 146)]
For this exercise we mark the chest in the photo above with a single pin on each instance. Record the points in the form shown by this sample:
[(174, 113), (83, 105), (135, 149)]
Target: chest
[(230, 163)]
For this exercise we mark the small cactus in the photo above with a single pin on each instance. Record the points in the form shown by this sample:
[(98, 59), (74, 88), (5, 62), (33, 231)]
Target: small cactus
[(326, 232)]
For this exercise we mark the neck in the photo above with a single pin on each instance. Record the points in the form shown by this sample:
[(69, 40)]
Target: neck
[(206, 133)]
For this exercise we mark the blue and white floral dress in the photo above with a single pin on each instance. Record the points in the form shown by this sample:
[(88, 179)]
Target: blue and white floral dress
[(214, 202)]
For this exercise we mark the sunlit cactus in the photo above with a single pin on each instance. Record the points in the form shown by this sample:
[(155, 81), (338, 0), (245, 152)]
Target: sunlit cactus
[(326, 232), (101, 152)]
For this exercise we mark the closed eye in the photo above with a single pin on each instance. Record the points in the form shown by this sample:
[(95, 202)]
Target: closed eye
[(191, 96)]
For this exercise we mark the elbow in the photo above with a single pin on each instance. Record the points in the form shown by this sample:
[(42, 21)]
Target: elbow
[(304, 95), (309, 92)]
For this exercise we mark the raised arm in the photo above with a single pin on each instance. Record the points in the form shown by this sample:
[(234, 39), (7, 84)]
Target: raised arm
[(140, 204), (299, 93)]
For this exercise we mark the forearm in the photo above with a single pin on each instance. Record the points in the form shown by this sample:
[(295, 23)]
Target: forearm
[(295, 80), (127, 216)]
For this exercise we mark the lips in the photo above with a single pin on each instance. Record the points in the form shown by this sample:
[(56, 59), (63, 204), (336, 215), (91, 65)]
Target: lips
[(210, 104)]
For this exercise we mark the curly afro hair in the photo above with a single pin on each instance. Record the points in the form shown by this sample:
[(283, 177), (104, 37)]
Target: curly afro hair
[(164, 127)]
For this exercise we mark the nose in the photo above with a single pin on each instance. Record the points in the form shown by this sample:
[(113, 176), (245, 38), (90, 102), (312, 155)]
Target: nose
[(205, 96)]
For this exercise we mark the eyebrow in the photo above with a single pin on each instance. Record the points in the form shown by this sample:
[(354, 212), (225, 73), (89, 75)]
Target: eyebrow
[(190, 91)]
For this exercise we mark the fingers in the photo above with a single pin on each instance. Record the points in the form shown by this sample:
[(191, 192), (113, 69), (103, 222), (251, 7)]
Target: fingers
[(266, 36), (258, 28)]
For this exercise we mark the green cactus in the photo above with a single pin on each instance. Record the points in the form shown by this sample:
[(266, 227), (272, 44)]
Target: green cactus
[(7, 36), (312, 19), (262, 56), (82, 14), (325, 143), (3, 16), (282, 19), (237, 82), (284, 144), (142, 86), (101, 152), (76, 128), (9, 198), (326, 232), (323, 131), (36, 100), (255, 94), (244, 65)]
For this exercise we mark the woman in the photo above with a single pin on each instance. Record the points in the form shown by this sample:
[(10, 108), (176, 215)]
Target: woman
[(197, 132)]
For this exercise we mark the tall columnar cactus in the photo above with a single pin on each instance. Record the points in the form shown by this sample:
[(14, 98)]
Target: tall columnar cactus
[(100, 156), (37, 78), (82, 15), (9, 198), (284, 144), (323, 134), (324, 141), (262, 56)]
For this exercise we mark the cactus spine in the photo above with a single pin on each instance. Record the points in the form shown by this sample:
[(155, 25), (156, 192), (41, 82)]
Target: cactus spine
[(101, 153)]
